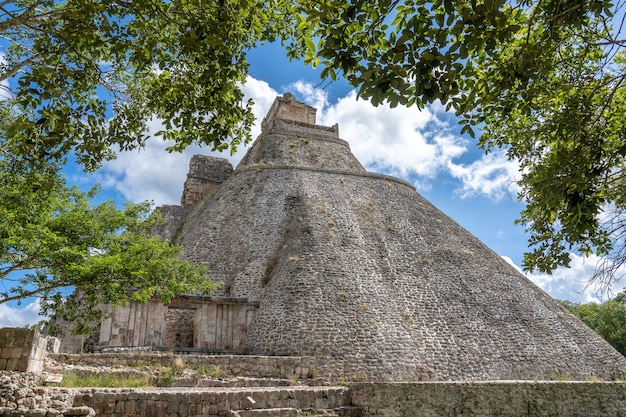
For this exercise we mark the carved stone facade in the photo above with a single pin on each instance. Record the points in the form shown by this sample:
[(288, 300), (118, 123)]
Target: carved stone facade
[(188, 323)]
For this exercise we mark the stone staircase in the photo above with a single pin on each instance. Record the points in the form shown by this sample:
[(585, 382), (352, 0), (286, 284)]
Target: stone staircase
[(243, 402), (275, 393)]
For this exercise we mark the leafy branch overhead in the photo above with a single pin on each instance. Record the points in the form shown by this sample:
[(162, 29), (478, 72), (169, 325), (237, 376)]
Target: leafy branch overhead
[(85, 75), (53, 239)]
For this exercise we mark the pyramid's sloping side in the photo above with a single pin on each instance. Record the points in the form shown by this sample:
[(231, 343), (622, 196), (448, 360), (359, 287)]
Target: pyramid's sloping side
[(363, 272)]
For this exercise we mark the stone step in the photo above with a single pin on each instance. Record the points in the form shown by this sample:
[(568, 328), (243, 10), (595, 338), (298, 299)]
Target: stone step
[(244, 382), (347, 411), (266, 412), (230, 382), (214, 401), (55, 375)]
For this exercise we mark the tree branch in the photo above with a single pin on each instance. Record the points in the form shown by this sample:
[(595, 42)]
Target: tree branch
[(17, 68), (26, 294), (28, 19)]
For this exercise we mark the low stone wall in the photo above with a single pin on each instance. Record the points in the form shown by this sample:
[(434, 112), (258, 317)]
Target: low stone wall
[(21, 397), (498, 398), (194, 402), (20, 391), (22, 350), (234, 365)]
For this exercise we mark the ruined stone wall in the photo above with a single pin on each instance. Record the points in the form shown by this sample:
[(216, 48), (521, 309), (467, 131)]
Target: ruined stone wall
[(174, 217), (288, 108), (502, 399), (22, 395), (22, 350), (205, 174)]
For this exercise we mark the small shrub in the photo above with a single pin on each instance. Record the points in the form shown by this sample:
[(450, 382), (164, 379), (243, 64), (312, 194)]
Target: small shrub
[(293, 380), (212, 371), (313, 373), (168, 376)]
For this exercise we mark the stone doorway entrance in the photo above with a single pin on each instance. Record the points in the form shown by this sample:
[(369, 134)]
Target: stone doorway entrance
[(180, 325)]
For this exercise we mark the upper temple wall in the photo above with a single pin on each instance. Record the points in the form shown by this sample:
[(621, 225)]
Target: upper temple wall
[(287, 108)]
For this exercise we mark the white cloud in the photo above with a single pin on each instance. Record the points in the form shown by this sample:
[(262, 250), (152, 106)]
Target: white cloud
[(20, 317), (4, 85), (263, 96), (311, 95), (573, 283), (493, 176)]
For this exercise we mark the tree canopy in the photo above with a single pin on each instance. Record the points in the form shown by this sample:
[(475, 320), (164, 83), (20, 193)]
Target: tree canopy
[(54, 239), (85, 75), (607, 319)]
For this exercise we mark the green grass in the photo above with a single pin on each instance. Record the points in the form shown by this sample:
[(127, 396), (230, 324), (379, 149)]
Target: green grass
[(74, 380), (212, 371)]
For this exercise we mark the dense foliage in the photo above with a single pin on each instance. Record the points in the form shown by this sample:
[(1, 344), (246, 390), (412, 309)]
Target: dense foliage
[(84, 75), (54, 239), (607, 319)]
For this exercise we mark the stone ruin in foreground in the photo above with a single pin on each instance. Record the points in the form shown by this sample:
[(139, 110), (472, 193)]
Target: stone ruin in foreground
[(320, 258)]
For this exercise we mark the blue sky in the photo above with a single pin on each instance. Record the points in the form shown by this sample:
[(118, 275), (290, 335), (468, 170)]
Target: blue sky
[(423, 147)]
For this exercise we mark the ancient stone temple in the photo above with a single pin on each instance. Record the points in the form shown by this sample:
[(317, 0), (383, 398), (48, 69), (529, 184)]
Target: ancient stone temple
[(320, 258)]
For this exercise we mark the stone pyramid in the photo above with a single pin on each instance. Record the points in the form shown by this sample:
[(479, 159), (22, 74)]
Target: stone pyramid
[(359, 271)]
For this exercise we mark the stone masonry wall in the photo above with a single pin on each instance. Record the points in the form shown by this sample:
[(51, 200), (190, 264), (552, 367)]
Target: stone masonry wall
[(234, 365), (22, 350), (500, 398), (174, 217), (179, 324), (189, 402)]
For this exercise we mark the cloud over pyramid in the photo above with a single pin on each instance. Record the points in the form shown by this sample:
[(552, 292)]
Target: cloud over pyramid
[(359, 271)]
